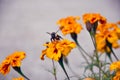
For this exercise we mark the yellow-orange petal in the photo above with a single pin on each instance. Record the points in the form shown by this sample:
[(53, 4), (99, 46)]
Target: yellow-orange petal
[(115, 66), (43, 54), (18, 55), (5, 67), (117, 76), (16, 58), (20, 78)]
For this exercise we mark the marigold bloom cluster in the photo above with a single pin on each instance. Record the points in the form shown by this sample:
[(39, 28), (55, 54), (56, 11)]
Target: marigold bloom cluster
[(116, 67), (13, 60), (94, 17), (69, 25), (55, 49), (109, 32), (20, 78)]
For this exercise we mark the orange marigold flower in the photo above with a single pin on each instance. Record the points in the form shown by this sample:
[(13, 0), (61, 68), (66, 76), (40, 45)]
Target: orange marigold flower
[(109, 32), (55, 49), (13, 60), (16, 58), (69, 25), (20, 78), (94, 17), (115, 66), (102, 44)]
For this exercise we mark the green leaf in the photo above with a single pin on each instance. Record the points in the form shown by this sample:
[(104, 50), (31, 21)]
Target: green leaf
[(104, 64), (89, 67)]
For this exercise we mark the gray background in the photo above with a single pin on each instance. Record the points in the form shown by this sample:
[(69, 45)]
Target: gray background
[(23, 27)]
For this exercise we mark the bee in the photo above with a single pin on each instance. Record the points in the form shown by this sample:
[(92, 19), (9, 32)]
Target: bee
[(54, 36)]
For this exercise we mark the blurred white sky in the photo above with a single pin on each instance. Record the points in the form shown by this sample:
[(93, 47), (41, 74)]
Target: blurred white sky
[(23, 27)]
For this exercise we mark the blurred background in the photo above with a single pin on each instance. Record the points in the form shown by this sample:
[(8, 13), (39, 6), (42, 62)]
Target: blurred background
[(23, 27)]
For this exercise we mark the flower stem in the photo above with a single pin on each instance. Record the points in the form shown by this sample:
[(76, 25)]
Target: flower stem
[(114, 55), (54, 70), (83, 54), (81, 49), (97, 57), (74, 37)]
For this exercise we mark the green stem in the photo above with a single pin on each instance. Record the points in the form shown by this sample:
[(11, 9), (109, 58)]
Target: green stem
[(81, 49), (114, 55), (105, 62), (110, 46), (54, 69), (83, 55), (102, 71), (97, 57), (92, 39), (74, 37)]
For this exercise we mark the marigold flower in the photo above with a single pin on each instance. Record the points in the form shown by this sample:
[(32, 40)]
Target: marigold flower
[(13, 60), (115, 66), (94, 17), (51, 51), (109, 32), (20, 78), (16, 58), (101, 41), (69, 25), (55, 49)]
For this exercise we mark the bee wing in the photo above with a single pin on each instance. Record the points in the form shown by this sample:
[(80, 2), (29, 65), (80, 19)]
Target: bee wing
[(48, 33)]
